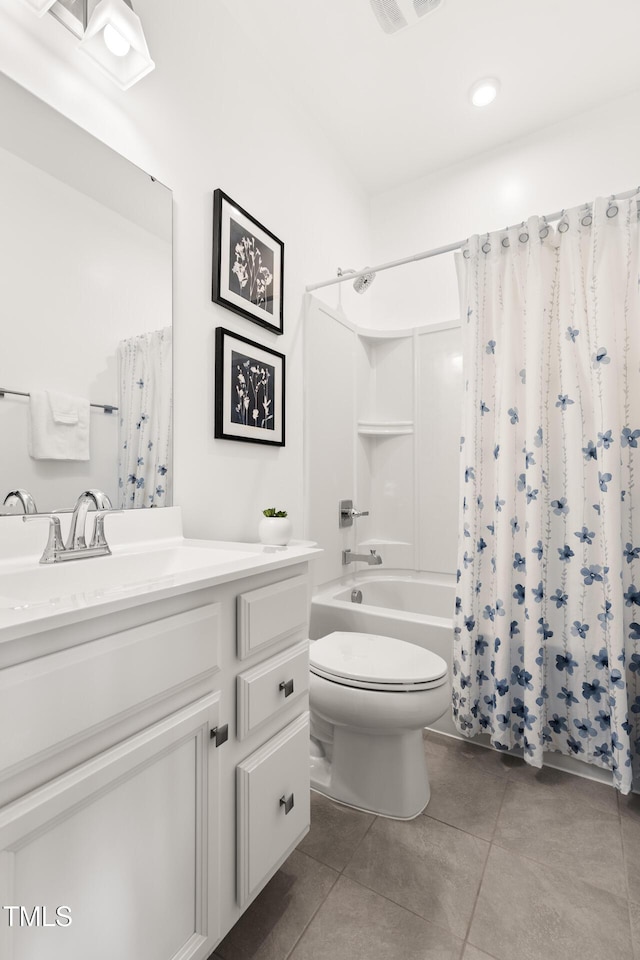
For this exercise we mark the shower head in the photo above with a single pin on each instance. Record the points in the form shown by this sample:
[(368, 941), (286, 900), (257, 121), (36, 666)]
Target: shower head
[(360, 284)]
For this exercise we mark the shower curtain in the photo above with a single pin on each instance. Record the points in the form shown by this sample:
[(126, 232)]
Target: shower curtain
[(547, 623), (144, 444)]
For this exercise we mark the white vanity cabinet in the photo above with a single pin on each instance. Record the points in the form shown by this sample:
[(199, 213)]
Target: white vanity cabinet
[(155, 771)]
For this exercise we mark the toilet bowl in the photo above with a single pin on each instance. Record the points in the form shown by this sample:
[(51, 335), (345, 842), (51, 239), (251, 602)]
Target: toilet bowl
[(369, 698)]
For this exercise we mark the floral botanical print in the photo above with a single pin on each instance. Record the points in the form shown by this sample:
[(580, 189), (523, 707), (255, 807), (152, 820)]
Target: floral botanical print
[(252, 268), (144, 439), (547, 628), (252, 391)]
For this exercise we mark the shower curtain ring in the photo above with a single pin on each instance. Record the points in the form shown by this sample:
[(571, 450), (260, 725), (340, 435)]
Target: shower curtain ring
[(612, 208)]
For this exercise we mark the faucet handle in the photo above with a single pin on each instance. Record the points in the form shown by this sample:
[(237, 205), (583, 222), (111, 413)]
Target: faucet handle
[(55, 543), (98, 539)]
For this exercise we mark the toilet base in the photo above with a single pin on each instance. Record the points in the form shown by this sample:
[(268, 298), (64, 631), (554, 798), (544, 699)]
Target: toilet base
[(380, 773)]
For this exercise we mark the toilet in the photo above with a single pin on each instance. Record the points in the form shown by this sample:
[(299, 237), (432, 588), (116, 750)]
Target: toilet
[(370, 697)]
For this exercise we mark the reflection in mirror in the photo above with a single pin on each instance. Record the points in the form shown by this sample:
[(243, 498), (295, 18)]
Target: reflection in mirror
[(85, 294)]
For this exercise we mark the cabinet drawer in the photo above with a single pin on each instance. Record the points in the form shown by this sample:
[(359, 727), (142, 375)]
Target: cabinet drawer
[(62, 696), (273, 805), (277, 612), (271, 687)]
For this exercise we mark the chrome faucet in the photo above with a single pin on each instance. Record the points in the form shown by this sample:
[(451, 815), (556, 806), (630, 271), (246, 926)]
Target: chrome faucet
[(76, 546), (24, 498), (76, 539), (372, 558)]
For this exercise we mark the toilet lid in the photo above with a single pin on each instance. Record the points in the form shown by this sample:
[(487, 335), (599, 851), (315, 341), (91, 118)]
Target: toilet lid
[(365, 659)]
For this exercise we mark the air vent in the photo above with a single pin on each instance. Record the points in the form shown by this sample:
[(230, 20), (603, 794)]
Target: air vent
[(422, 7), (395, 15), (389, 15)]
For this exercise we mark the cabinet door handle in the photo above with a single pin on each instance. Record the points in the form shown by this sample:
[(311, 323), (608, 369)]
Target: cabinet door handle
[(219, 734), (287, 686), (287, 803)]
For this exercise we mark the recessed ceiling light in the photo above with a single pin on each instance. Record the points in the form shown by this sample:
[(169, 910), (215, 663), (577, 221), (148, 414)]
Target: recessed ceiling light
[(484, 91)]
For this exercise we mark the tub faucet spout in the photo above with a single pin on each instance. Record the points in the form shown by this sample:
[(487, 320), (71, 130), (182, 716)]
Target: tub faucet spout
[(372, 558)]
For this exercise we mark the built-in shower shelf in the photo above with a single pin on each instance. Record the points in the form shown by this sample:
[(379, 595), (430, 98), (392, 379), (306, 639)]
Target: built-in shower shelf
[(382, 542), (384, 428)]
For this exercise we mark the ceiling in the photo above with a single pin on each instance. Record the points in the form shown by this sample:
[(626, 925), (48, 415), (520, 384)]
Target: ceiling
[(397, 107)]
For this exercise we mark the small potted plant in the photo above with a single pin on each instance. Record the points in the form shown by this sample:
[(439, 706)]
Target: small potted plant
[(275, 527)]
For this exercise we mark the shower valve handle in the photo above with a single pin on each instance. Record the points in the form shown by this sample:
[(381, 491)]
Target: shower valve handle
[(347, 513)]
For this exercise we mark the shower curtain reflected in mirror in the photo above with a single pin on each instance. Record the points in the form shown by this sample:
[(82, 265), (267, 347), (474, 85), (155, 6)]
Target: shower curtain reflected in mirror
[(145, 473), (547, 642)]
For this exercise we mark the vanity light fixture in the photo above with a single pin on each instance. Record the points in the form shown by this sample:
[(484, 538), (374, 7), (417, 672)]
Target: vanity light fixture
[(112, 35), (39, 7), (115, 40), (484, 91)]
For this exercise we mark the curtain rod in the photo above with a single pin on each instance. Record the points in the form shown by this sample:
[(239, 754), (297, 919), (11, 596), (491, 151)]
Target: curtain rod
[(449, 248), (106, 407)]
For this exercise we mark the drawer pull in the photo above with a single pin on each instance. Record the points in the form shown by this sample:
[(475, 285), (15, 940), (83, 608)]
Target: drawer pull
[(287, 803), (287, 686), (219, 734)]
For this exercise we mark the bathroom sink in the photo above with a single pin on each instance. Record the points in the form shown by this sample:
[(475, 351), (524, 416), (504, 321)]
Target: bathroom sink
[(125, 571)]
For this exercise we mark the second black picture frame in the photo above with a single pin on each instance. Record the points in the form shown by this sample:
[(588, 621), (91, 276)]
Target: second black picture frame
[(249, 391), (248, 265)]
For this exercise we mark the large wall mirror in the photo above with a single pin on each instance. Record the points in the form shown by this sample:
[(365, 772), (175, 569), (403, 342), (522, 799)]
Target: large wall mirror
[(86, 301)]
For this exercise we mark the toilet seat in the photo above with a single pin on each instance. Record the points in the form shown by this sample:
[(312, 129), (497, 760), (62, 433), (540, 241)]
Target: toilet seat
[(371, 662)]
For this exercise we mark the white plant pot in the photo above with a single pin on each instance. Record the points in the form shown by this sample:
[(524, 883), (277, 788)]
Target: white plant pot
[(275, 530)]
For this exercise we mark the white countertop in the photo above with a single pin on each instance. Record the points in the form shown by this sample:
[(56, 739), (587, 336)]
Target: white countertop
[(150, 560)]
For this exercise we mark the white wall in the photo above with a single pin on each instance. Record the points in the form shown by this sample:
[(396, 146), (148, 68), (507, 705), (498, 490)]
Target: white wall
[(210, 116), (594, 154)]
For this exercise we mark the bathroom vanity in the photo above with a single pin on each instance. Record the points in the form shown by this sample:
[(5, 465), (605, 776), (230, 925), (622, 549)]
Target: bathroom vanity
[(154, 768)]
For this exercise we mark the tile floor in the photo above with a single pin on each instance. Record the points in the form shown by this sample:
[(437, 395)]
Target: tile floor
[(506, 863)]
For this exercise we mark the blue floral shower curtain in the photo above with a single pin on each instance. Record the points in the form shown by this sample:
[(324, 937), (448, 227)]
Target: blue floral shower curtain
[(547, 628)]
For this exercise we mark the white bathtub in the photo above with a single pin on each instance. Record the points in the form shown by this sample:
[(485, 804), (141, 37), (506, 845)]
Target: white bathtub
[(411, 606)]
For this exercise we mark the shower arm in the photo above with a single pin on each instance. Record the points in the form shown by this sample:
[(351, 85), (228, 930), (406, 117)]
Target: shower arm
[(437, 251)]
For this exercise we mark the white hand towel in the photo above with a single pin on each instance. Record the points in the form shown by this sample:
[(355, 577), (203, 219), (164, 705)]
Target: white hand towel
[(58, 426)]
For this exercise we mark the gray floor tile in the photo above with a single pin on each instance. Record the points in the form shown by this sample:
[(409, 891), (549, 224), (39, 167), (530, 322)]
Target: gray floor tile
[(270, 927), (462, 795), (634, 912), (552, 828), (631, 846), (335, 831), (487, 760), (566, 787), (533, 912), (472, 953), (426, 866), (357, 924), (630, 805)]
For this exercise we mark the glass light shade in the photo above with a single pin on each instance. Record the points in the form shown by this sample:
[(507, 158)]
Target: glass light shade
[(134, 62), (39, 7), (115, 41)]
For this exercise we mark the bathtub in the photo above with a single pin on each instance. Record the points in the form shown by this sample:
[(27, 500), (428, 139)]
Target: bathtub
[(411, 606)]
